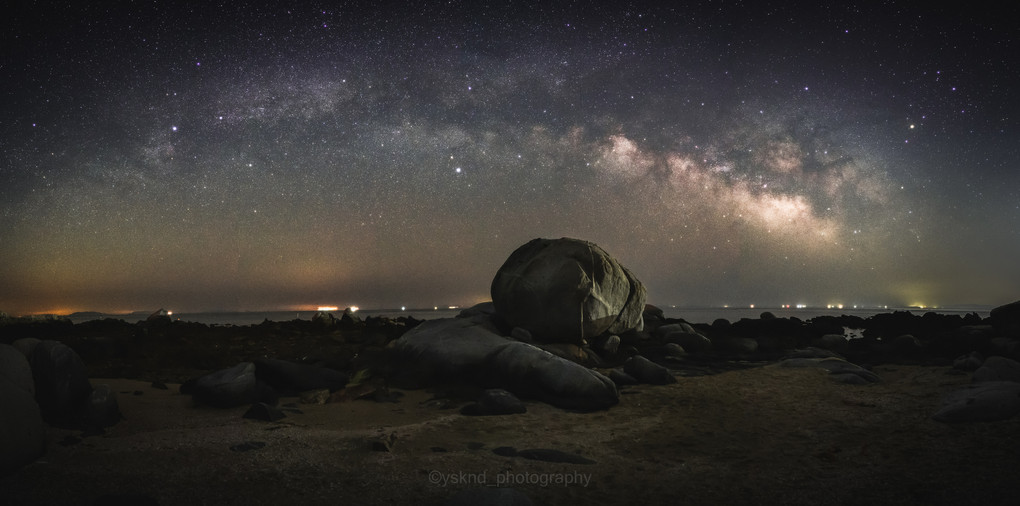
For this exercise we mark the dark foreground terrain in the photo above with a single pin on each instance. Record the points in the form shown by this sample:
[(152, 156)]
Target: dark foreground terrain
[(736, 428)]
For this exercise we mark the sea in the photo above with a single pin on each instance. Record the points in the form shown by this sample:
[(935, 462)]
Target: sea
[(689, 314)]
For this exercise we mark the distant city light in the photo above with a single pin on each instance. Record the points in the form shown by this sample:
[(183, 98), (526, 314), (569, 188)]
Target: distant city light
[(403, 308), (327, 308), (354, 308)]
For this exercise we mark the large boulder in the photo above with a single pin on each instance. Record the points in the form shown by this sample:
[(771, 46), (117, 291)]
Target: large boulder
[(291, 378), (986, 401), (62, 386), (22, 431), (1006, 319), (567, 290), (225, 388), (467, 349), (15, 368)]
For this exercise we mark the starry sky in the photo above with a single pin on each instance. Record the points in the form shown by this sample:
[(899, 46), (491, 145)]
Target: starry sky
[(252, 156)]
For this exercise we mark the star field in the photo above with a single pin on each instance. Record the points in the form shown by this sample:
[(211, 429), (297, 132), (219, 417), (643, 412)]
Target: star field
[(263, 156)]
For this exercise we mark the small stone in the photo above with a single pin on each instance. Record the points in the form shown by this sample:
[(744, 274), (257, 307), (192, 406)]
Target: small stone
[(314, 396), (495, 401), (264, 412)]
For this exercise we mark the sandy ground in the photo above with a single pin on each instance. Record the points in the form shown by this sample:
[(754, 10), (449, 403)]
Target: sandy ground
[(765, 435)]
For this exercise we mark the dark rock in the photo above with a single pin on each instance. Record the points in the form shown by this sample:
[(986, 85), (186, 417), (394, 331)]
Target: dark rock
[(490, 495), (737, 345), (314, 396), (103, 409), (692, 342), (62, 385), (833, 342), (384, 443), (905, 344), (264, 412), (646, 371), (225, 388), (567, 290), (460, 348), (607, 344), (522, 334), (289, 378), (22, 431), (621, 378), (26, 346), (997, 368), (1006, 318), (980, 402), (14, 367), (969, 362), (532, 372), (159, 385), (495, 401)]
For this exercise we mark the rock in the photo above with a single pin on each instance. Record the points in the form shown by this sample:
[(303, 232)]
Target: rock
[(1006, 319), (674, 350), (488, 494), (529, 371), (325, 319), (459, 348), (980, 402), (1005, 346), (997, 368), (22, 430), (606, 344), (14, 367), (692, 342), (832, 342), (62, 385), (812, 352), (495, 401), (384, 443), (290, 378), (103, 409), (621, 378), (264, 412), (225, 388), (737, 345), (314, 396), (26, 346), (968, 362), (567, 290), (837, 367), (448, 347), (905, 344), (646, 371), (521, 334)]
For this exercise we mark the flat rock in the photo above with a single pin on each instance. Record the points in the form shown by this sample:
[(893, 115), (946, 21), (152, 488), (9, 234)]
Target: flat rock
[(225, 388), (291, 378), (996, 368), (837, 367), (462, 349), (646, 371), (490, 495), (987, 401)]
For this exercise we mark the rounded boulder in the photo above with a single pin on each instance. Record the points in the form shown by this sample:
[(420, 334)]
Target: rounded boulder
[(567, 290)]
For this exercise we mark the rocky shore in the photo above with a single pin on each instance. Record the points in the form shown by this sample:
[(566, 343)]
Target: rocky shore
[(515, 402)]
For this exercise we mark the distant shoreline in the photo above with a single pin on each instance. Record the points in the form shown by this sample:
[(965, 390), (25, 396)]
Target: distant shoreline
[(693, 314)]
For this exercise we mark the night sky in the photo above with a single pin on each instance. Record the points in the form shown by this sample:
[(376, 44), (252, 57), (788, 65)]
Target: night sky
[(247, 157)]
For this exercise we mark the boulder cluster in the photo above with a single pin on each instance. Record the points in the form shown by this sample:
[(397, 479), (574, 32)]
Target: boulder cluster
[(45, 382), (567, 325)]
